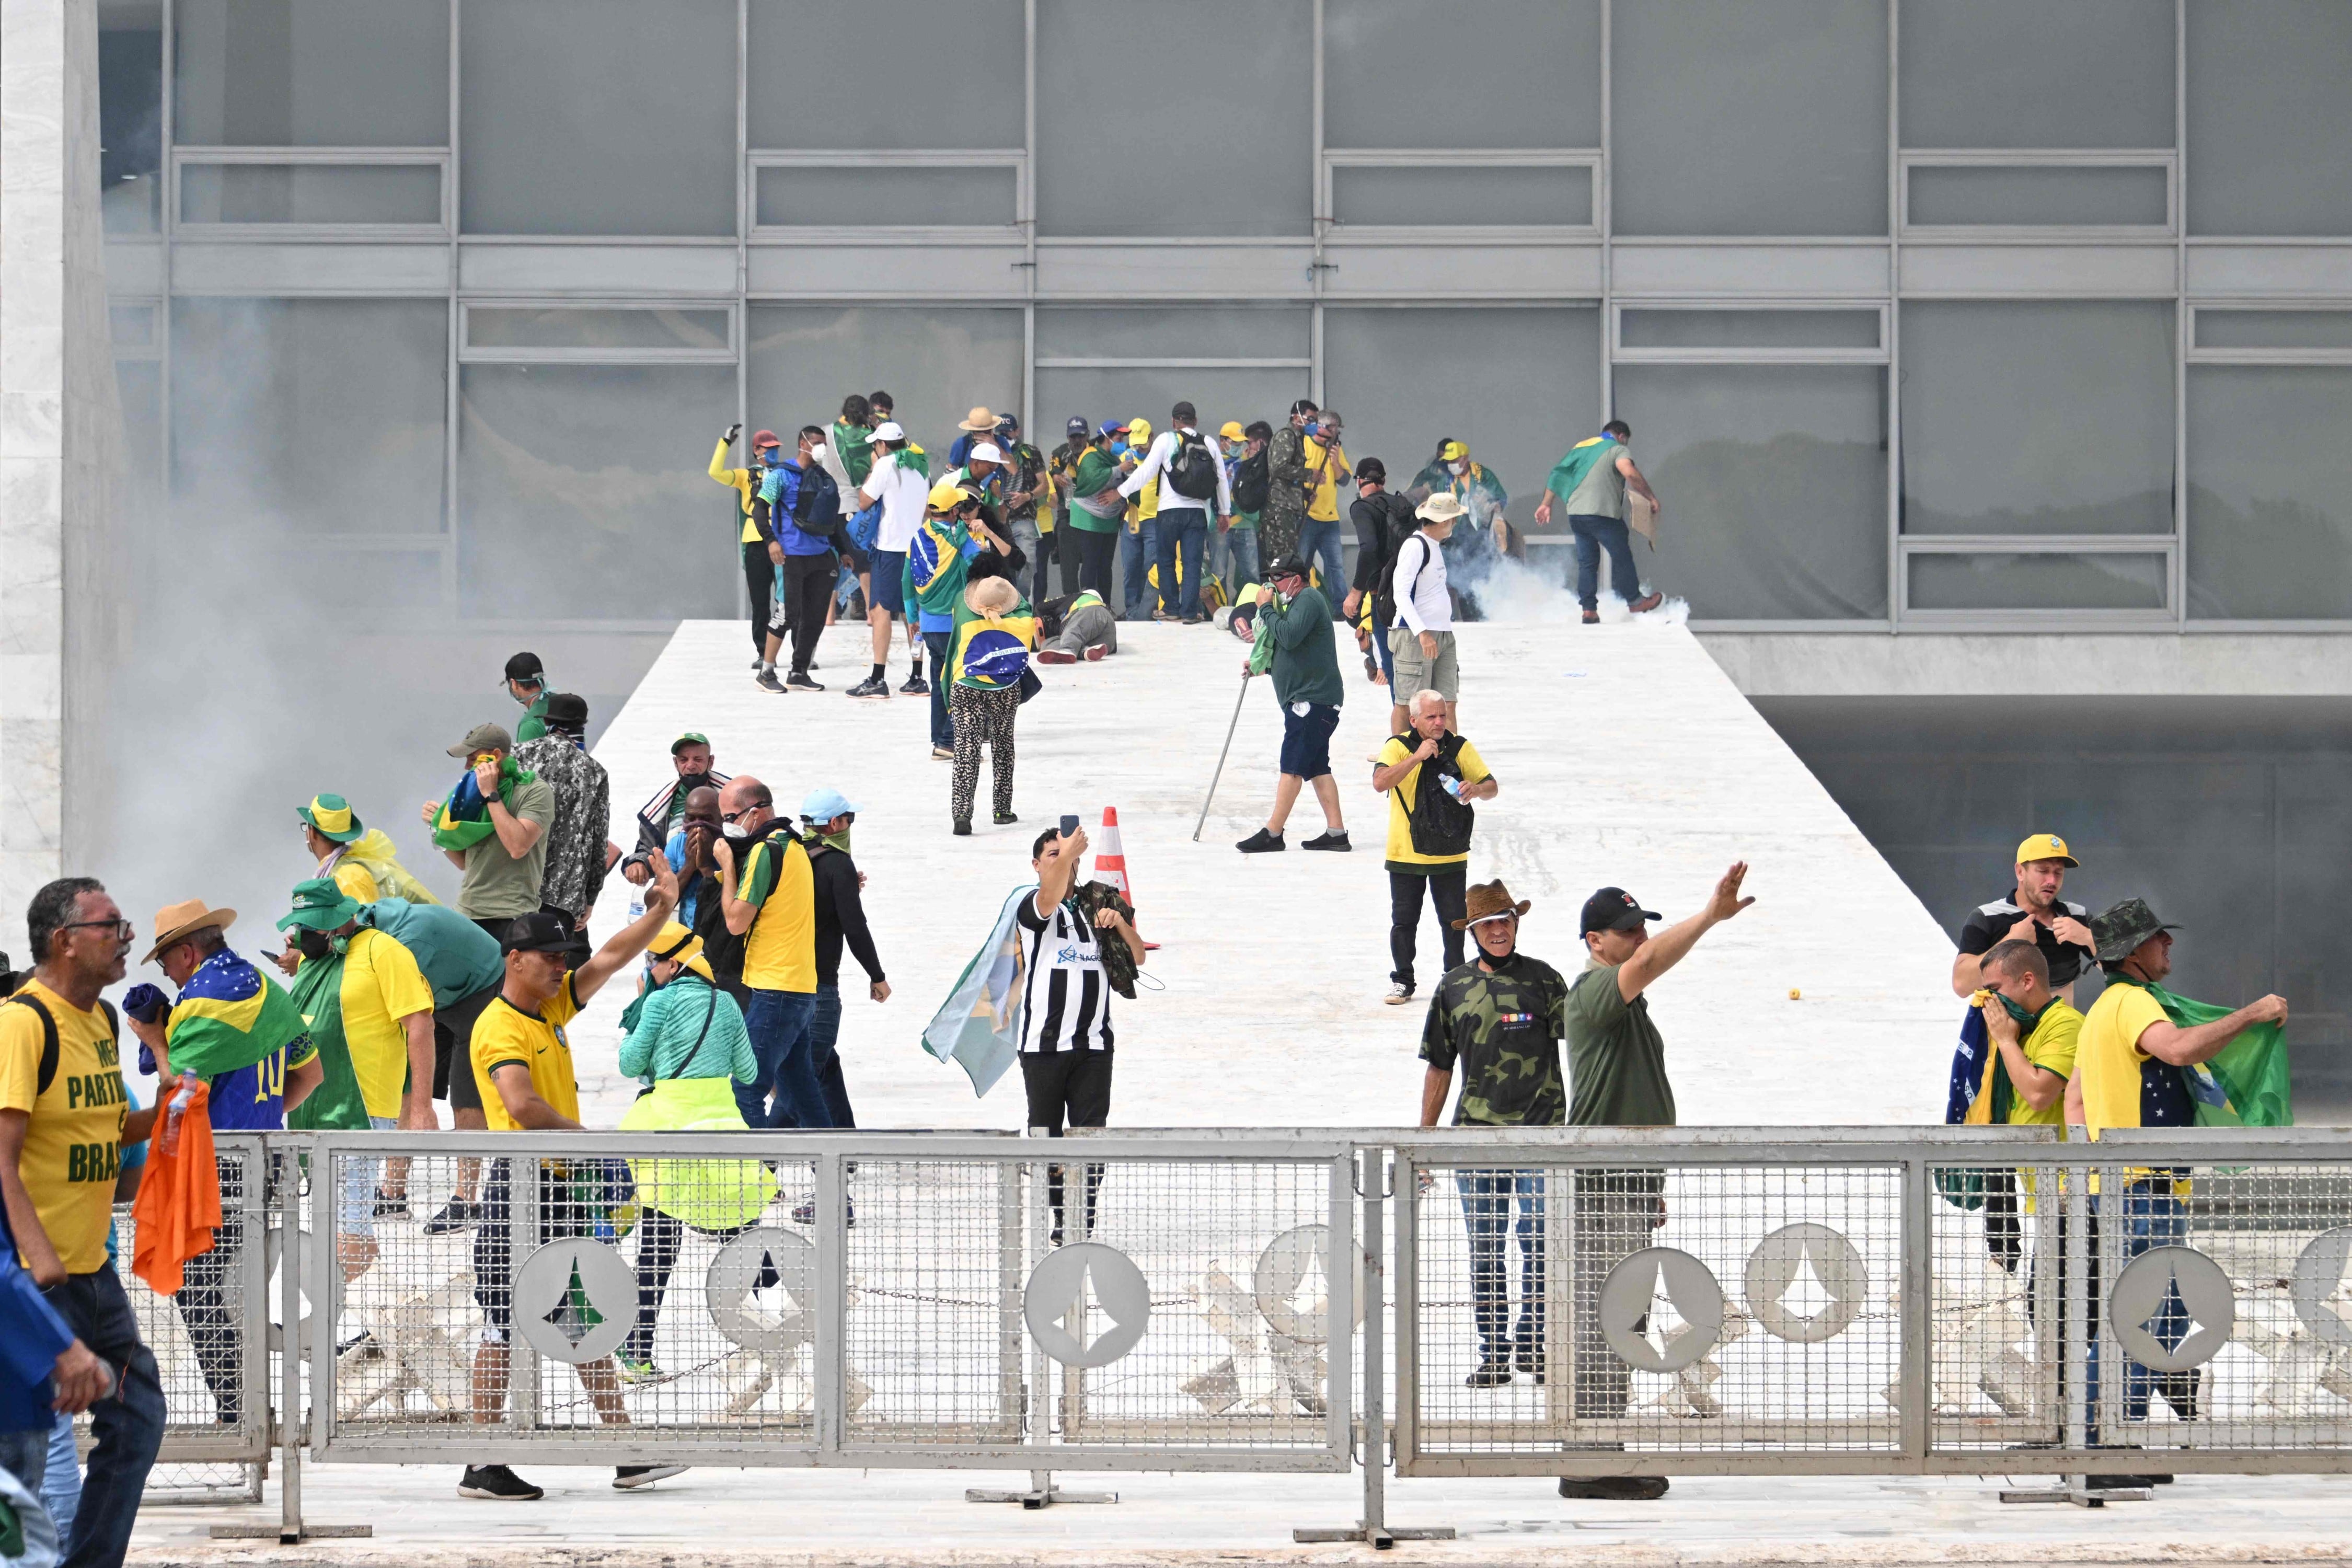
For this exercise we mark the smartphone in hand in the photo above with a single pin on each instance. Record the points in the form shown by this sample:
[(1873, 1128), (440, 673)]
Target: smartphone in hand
[(1069, 825)]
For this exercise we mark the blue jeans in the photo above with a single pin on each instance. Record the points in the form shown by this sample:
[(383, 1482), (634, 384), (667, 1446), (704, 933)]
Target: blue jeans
[(1486, 1200), (782, 1036), (2151, 1217), (823, 1032), (1232, 558), (1183, 531), (1135, 552), (942, 727), (1319, 546), (1593, 535), (60, 1486), (128, 1422)]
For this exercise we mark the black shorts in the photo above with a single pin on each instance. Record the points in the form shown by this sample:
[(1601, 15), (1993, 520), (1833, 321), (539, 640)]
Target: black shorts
[(569, 1205), (452, 1054), (1075, 1083)]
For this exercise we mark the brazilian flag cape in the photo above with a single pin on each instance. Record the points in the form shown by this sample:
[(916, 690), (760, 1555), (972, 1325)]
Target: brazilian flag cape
[(993, 651), (336, 1103), (464, 819), (936, 569), (231, 1015), (913, 456), (1570, 471), (2247, 1084)]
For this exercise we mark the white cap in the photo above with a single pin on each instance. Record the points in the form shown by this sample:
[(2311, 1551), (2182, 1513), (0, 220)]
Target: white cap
[(984, 452), (888, 431)]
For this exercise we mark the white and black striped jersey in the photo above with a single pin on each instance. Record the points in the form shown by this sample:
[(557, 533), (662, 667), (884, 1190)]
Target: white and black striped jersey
[(1064, 1000)]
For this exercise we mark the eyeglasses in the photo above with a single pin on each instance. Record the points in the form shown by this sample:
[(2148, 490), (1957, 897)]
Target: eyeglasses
[(123, 930), (737, 815)]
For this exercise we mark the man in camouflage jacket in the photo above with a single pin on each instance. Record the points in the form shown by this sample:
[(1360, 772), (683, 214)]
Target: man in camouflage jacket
[(1502, 1017), (1286, 489)]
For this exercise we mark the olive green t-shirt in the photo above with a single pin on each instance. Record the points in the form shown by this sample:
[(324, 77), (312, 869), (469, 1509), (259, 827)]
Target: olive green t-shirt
[(496, 886), (1616, 1057), (1602, 491)]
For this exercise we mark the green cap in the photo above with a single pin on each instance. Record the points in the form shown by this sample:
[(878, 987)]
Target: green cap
[(691, 738), (320, 905), (332, 816)]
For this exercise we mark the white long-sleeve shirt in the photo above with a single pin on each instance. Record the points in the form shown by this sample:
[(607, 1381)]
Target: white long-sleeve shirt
[(1155, 463), (1419, 587)]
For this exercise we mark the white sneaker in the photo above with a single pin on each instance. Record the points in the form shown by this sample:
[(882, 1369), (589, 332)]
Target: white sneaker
[(1399, 995)]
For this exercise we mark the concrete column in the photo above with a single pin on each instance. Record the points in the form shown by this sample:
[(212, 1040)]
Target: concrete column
[(60, 445)]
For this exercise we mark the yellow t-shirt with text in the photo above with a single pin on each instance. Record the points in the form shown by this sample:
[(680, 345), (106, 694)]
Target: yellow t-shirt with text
[(505, 1034), (73, 1142)]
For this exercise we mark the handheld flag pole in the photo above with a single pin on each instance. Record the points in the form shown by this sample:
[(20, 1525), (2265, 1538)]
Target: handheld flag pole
[(1221, 759)]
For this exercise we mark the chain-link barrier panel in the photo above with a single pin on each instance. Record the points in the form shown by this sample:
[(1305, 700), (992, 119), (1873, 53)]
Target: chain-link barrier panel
[(1663, 1308), (2001, 1350)]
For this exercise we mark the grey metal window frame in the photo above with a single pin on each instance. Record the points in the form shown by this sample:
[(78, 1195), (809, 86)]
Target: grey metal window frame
[(470, 353), (1531, 265)]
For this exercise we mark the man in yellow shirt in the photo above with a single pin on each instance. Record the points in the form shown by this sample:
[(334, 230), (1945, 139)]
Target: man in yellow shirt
[(523, 1062), (2131, 1064), (1326, 470), (63, 1123), (1429, 835), (330, 828), (768, 897)]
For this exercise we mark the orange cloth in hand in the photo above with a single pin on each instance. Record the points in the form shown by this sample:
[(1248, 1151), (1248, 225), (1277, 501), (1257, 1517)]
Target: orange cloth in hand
[(178, 1206)]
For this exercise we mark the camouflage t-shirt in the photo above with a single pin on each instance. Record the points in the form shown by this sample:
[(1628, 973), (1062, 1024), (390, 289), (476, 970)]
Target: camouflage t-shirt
[(1505, 1029)]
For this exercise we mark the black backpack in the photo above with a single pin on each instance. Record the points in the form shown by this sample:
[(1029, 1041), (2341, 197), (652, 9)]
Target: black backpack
[(1440, 822), (1251, 483), (1191, 468), (46, 1073)]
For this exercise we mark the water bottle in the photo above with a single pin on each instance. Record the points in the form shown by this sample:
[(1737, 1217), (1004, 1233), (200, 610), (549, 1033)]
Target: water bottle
[(170, 1142), (1453, 786)]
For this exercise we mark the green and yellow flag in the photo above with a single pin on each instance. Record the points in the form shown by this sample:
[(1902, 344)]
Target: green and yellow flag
[(464, 819), (231, 1015), (2248, 1084)]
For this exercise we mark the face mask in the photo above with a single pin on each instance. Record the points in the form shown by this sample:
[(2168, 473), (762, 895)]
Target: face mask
[(1457, 468), (734, 830), (837, 840), (687, 782), (313, 943), (771, 457)]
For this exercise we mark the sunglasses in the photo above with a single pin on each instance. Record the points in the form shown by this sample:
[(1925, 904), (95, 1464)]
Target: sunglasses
[(736, 815), (124, 930)]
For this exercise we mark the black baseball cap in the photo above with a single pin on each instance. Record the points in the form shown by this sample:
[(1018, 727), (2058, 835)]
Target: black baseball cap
[(1288, 566), (542, 931), (525, 666), (1077, 426), (1614, 908)]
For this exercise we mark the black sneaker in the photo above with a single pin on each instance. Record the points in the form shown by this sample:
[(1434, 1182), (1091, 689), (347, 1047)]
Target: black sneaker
[(1005, 819), (628, 1477), (871, 685), (1614, 1489), (1531, 1362), (963, 828), (363, 1343), (1337, 841), (799, 682), (766, 681), (454, 1216), (496, 1483), (916, 686), (391, 1205), (1491, 1374), (1262, 842)]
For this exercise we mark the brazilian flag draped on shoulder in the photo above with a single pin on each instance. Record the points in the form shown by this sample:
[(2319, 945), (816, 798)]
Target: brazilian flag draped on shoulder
[(913, 456), (336, 1103), (231, 1015), (993, 651), (464, 819), (1570, 471), (2245, 1086), (935, 563)]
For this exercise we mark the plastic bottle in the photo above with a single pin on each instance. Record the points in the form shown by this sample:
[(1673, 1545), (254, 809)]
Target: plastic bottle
[(169, 1143)]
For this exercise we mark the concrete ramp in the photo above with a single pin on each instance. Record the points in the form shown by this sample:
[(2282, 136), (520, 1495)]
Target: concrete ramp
[(1625, 756)]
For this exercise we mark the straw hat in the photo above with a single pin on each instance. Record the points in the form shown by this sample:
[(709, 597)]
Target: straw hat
[(1488, 901), (992, 595), (175, 923), (1442, 506), (979, 418)]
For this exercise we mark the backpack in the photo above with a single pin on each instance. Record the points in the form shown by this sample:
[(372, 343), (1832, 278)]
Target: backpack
[(1191, 469), (1439, 821), (1388, 596), (1251, 483), (48, 1073)]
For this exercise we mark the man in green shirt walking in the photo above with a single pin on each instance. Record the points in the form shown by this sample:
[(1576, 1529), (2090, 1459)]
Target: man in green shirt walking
[(1296, 617), (527, 684), (1096, 509), (1617, 1060)]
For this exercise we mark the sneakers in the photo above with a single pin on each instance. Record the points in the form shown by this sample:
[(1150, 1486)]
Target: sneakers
[(1262, 842), (628, 1477), (453, 1217), (1005, 818), (1056, 656), (963, 828), (496, 1483), (1399, 993), (871, 685), (766, 681), (1329, 840), (799, 680), (634, 1368), (1096, 654), (1614, 1489), (1194, 620), (916, 686), (1530, 1360), (391, 1205), (805, 1214), (1649, 601), (943, 753), (757, 662), (1491, 1374)]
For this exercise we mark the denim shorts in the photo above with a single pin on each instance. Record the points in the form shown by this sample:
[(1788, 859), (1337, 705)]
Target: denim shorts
[(355, 1196)]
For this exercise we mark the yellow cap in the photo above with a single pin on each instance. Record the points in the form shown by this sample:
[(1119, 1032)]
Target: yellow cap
[(948, 495), (2045, 847), (1452, 452), (1231, 430), (675, 944), (1138, 431)]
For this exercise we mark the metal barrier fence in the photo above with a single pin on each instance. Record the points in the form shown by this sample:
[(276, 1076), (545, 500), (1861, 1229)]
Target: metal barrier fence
[(1567, 1301)]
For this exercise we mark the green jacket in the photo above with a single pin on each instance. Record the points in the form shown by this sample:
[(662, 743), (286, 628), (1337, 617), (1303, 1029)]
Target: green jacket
[(1305, 649), (534, 720)]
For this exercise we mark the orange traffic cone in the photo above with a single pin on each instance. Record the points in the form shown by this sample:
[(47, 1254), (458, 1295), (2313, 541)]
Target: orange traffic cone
[(1110, 862)]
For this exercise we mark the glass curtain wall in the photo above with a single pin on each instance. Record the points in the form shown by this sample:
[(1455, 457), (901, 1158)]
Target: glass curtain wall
[(1914, 319)]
